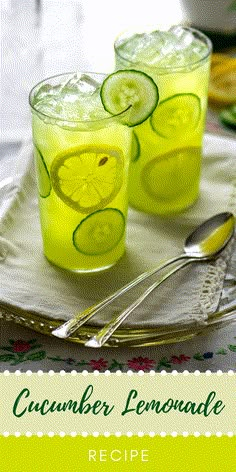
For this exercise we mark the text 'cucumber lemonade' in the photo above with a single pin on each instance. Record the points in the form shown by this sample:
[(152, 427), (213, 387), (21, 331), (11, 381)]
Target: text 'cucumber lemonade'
[(166, 148)]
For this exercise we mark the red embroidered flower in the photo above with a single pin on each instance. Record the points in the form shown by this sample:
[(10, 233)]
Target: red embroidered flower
[(179, 359), (98, 364), (21, 346), (140, 363)]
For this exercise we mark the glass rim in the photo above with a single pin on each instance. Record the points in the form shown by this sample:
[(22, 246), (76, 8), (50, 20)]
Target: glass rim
[(105, 119), (167, 68)]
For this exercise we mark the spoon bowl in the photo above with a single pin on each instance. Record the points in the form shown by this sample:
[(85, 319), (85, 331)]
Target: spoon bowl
[(210, 238)]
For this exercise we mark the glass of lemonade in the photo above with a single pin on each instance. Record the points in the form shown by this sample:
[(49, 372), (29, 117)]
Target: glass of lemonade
[(82, 159), (166, 148)]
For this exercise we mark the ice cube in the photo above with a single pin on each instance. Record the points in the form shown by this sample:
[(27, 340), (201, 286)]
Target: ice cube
[(186, 40), (80, 84), (132, 47), (183, 38), (151, 48), (49, 106), (46, 91), (176, 30)]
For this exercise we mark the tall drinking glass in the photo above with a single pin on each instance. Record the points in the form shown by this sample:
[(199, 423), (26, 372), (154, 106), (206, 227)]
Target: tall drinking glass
[(166, 151), (82, 158)]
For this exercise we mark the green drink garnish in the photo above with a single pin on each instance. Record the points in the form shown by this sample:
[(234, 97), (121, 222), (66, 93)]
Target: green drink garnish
[(99, 232), (133, 88)]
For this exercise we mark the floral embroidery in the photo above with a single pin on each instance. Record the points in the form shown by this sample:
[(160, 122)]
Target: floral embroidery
[(208, 355), (179, 360), (221, 351), (232, 347), (115, 365), (198, 356), (19, 351), (21, 346), (70, 361), (163, 364), (99, 364), (141, 363)]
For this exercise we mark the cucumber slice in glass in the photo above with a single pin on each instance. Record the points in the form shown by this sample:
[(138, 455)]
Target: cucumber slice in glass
[(100, 232), (43, 178), (132, 88), (228, 117), (177, 114), (135, 147)]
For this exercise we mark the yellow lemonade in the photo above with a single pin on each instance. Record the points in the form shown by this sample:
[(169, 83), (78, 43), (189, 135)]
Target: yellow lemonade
[(166, 148), (82, 159)]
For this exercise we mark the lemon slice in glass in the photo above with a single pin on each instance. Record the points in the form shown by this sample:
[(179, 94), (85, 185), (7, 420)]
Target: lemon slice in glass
[(87, 178), (166, 177)]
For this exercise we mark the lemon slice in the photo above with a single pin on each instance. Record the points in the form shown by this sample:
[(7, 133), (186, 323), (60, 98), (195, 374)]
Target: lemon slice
[(99, 232), (222, 87), (87, 178), (43, 179), (166, 177)]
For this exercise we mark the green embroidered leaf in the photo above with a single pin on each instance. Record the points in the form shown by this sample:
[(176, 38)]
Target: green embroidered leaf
[(115, 365), (232, 347), (36, 346), (164, 362), (56, 358), (232, 6), (11, 341), (6, 348), (221, 351), (36, 356), (32, 341), (7, 357), (198, 356), (82, 363)]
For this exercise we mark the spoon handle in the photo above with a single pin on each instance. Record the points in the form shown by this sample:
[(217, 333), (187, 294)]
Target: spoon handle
[(69, 327), (106, 332)]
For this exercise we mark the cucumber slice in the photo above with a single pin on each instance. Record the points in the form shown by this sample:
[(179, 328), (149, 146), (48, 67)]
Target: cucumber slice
[(43, 178), (132, 88), (135, 148), (99, 232), (228, 117), (177, 114)]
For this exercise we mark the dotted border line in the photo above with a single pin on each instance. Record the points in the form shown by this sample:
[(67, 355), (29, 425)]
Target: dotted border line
[(118, 373), (117, 434)]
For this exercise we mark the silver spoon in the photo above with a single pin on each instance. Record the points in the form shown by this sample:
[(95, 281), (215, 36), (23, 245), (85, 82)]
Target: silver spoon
[(204, 243)]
